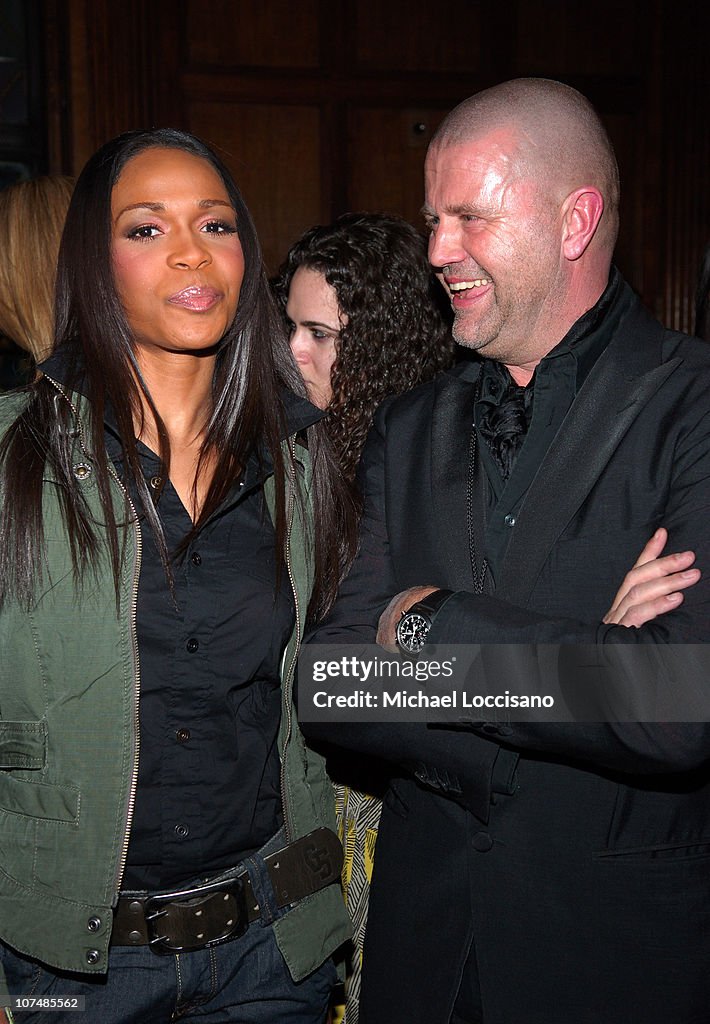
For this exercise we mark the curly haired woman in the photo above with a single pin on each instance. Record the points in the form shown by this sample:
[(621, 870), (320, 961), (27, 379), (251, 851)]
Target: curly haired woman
[(366, 320)]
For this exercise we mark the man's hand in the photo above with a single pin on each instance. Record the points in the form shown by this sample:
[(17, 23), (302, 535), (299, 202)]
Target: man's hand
[(393, 613), (654, 584)]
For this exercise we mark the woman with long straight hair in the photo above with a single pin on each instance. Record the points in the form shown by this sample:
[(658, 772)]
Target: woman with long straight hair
[(167, 837)]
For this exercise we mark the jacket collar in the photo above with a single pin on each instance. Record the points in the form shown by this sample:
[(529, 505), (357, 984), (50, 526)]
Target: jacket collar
[(623, 379)]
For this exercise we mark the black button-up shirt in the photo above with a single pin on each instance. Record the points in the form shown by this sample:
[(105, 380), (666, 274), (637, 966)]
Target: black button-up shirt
[(557, 379), (208, 785)]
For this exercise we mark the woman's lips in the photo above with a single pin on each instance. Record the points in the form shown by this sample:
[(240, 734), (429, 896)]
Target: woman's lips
[(196, 297)]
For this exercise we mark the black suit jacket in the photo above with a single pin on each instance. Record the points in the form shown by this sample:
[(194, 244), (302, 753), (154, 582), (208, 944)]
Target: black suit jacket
[(575, 858)]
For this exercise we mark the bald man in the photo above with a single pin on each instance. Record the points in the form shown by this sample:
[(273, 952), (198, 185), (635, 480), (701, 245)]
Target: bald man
[(535, 873)]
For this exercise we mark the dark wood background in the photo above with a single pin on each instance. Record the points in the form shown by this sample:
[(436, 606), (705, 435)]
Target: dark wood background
[(321, 107)]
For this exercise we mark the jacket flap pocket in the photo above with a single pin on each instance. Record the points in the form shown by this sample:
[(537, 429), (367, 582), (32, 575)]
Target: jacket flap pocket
[(23, 744), (38, 799)]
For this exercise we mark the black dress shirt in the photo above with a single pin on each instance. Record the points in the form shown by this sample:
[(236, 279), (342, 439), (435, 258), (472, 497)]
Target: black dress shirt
[(556, 381), (208, 791), (208, 785)]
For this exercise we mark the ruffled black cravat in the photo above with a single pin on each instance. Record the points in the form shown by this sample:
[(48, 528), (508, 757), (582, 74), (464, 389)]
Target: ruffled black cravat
[(503, 424)]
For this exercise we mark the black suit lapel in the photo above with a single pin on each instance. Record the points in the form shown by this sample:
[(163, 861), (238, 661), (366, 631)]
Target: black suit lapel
[(624, 379), (451, 431)]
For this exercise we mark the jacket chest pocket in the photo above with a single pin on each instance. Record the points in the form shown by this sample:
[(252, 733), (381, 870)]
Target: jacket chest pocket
[(576, 581), (23, 751), (23, 745)]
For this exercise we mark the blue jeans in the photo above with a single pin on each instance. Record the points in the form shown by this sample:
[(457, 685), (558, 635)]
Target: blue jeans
[(244, 981)]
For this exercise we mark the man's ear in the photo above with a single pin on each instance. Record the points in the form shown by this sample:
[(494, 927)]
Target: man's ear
[(582, 211)]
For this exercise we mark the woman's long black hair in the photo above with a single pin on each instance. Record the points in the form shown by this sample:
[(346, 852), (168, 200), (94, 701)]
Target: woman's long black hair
[(92, 334)]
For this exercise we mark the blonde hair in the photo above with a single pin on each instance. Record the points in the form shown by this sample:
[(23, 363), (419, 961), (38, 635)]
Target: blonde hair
[(32, 217)]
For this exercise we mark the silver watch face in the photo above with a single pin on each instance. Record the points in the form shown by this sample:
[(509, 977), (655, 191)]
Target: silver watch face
[(412, 631)]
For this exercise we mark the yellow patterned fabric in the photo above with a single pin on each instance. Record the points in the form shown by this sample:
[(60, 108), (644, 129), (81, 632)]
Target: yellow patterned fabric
[(358, 817)]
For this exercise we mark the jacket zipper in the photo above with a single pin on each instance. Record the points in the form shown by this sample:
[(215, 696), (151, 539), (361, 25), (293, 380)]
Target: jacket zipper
[(134, 640), (288, 676), (136, 685)]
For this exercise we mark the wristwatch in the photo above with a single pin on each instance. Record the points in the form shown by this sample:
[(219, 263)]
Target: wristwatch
[(413, 628)]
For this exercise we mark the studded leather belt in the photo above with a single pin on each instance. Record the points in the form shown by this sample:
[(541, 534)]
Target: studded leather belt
[(222, 909)]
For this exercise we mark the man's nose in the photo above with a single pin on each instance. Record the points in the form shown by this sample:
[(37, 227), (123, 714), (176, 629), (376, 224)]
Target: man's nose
[(445, 246)]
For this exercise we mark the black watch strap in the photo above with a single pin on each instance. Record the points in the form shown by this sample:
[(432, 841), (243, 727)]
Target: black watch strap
[(431, 604)]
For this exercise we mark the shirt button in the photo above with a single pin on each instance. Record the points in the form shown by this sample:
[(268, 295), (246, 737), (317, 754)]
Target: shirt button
[(192, 645), (482, 842), (490, 728), (509, 520), (182, 831), (182, 735), (196, 558), (155, 482)]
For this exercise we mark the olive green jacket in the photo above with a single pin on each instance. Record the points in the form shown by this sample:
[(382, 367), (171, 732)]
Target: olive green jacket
[(69, 743)]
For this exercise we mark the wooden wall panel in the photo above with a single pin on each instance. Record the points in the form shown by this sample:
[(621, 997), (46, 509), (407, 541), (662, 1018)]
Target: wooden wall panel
[(112, 68), (386, 150), (684, 200), (556, 38), (114, 92), (274, 155), (624, 136), (251, 33), (418, 37)]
